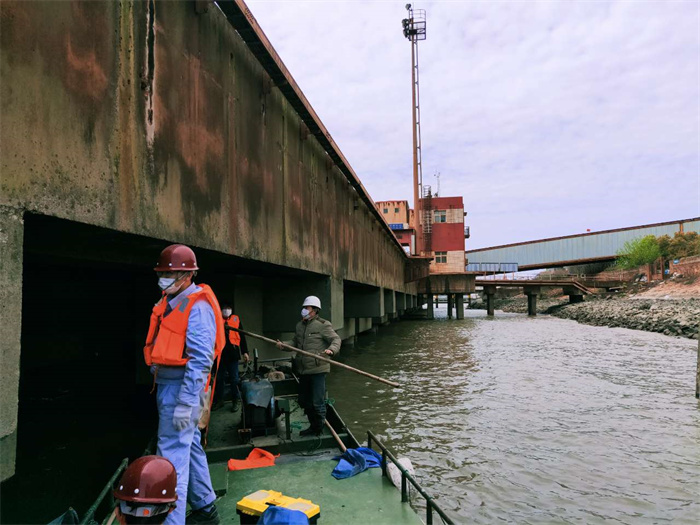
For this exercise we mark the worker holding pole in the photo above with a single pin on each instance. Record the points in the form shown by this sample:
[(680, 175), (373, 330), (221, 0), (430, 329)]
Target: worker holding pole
[(313, 335)]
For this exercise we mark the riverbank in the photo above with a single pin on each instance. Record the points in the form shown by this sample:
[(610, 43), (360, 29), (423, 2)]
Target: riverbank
[(670, 308)]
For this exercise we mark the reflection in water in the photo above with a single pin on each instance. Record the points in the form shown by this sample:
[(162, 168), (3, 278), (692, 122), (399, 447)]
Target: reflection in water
[(534, 419)]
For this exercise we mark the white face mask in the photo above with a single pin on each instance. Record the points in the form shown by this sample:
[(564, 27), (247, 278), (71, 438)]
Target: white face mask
[(165, 282), (305, 313), (226, 312)]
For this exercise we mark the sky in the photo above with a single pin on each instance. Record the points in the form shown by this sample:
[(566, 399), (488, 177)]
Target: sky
[(548, 117)]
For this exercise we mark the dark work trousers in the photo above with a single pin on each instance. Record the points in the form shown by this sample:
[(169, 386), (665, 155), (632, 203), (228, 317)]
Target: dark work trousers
[(228, 369), (312, 398)]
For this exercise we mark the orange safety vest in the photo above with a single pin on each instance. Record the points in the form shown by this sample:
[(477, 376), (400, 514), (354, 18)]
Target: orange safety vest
[(166, 339), (233, 336)]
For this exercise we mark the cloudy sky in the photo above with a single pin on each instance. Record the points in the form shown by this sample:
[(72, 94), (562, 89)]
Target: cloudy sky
[(549, 117)]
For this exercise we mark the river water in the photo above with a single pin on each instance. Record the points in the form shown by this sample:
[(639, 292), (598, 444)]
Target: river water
[(534, 420)]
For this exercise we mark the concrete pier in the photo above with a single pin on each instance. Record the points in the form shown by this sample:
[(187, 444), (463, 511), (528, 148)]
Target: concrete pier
[(532, 292), (459, 302)]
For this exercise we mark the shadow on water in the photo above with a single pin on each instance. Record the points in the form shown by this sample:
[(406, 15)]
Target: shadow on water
[(534, 419)]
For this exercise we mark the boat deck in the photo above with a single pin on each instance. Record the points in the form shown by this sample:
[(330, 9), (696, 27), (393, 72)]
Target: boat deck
[(365, 498), (303, 470)]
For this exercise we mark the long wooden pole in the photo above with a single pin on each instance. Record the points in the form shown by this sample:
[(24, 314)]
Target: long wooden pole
[(318, 357), (336, 436)]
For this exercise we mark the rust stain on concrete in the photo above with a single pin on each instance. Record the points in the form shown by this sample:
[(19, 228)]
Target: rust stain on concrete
[(84, 73)]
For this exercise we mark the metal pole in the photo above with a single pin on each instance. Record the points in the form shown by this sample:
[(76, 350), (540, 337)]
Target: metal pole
[(317, 357), (697, 375), (417, 217)]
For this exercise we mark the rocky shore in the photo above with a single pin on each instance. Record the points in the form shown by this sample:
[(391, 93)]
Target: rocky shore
[(679, 317), (675, 316)]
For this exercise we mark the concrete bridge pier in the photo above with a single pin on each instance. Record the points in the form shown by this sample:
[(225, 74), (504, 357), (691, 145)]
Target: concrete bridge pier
[(449, 305), (429, 294), (575, 295), (390, 305), (490, 293), (532, 293), (459, 305)]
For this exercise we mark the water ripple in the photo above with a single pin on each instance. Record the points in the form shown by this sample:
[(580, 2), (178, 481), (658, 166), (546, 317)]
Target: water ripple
[(534, 420)]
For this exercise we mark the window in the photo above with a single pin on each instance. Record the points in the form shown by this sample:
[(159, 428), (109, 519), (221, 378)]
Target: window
[(396, 210), (441, 257), (440, 216), (386, 210)]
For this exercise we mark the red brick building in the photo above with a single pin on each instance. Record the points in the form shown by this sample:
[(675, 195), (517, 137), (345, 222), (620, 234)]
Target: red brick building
[(444, 231)]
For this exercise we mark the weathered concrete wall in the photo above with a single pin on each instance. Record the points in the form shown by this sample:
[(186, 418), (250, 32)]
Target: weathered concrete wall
[(148, 118), (11, 242)]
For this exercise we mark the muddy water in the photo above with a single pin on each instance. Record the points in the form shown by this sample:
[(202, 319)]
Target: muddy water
[(534, 420)]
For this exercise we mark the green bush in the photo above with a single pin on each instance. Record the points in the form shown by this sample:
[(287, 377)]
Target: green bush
[(682, 245), (638, 252)]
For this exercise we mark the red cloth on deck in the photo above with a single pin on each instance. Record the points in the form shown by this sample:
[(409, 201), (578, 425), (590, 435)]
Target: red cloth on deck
[(256, 459)]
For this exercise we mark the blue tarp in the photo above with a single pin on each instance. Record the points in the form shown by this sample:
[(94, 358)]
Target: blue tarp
[(356, 460), (281, 516)]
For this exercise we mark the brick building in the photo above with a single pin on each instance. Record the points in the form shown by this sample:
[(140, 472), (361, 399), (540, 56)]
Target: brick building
[(443, 233)]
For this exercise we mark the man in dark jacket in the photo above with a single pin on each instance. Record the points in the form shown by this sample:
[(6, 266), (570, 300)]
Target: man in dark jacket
[(235, 349), (317, 336)]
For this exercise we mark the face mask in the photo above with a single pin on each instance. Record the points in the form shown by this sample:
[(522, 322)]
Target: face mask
[(305, 313), (165, 282), (227, 313)]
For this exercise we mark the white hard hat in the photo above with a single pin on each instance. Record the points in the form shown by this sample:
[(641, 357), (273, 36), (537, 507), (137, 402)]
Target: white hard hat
[(312, 300)]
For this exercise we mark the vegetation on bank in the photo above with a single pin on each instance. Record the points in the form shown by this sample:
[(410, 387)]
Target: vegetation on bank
[(646, 250)]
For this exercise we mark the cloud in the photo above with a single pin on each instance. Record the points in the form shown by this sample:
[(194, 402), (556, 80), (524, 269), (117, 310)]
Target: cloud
[(548, 117)]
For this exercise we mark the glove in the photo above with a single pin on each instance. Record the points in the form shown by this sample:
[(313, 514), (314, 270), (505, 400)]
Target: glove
[(181, 417)]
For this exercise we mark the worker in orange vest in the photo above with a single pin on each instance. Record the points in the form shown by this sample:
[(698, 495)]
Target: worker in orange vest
[(185, 335), (235, 349)]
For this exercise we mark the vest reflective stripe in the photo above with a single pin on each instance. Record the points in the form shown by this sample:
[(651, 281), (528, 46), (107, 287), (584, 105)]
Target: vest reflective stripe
[(167, 335), (234, 337)]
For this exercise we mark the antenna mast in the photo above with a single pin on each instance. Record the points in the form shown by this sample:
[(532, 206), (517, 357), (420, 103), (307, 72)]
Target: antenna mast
[(414, 31)]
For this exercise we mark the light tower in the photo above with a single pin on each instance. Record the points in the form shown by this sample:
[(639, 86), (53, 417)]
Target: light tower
[(414, 31)]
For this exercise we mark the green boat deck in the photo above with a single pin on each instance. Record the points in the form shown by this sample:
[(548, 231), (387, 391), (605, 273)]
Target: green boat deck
[(365, 498), (303, 470)]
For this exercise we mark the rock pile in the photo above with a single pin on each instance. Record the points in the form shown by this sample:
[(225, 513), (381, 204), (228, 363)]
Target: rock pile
[(678, 317)]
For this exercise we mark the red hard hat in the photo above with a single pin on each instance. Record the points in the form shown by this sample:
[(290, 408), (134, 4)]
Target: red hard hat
[(176, 257), (149, 480)]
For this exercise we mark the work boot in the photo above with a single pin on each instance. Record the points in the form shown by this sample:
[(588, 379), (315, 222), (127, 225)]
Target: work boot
[(207, 517), (234, 405), (311, 431)]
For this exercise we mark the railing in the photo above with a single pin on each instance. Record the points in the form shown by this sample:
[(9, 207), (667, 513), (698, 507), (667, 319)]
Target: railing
[(106, 491), (407, 478), (610, 276)]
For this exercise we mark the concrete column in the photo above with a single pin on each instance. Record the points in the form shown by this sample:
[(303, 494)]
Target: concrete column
[(575, 295), (532, 293), (11, 262), (449, 305), (428, 292), (390, 304), (490, 293), (459, 302)]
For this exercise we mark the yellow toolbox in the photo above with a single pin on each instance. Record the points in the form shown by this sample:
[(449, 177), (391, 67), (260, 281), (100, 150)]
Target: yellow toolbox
[(251, 507)]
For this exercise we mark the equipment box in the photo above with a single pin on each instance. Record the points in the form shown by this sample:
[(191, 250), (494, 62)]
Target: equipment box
[(251, 507)]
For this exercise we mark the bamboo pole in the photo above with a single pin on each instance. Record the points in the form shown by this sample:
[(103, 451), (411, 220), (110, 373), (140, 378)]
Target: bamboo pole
[(336, 436), (318, 357)]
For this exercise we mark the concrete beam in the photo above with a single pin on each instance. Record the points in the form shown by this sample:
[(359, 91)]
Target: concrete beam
[(11, 259)]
